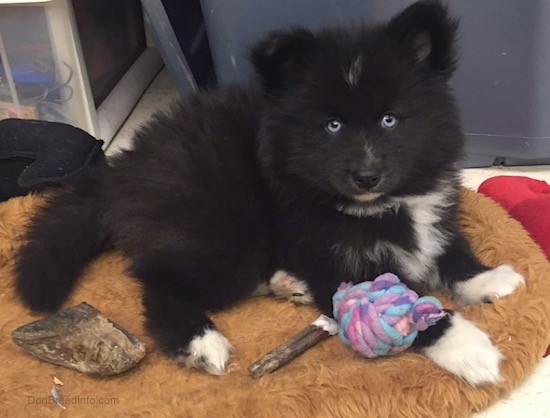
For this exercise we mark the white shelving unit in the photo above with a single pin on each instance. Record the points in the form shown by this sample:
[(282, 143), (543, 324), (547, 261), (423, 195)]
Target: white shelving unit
[(43, 73)]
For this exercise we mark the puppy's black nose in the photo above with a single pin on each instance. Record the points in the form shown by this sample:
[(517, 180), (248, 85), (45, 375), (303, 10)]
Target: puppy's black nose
[(366, 179)]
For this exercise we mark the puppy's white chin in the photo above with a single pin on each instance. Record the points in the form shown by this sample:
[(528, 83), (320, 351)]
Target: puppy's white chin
[(367, 197)]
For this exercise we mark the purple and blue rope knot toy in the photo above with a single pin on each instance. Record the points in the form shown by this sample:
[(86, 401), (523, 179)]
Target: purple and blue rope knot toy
[(382, 317)]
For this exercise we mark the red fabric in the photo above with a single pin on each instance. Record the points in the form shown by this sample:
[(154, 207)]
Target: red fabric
[(527, 200)]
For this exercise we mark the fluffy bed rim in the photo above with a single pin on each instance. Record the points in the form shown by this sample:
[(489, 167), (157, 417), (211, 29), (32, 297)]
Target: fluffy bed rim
[(329, 380)]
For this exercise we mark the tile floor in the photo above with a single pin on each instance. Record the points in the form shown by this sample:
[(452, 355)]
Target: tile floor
[(532, 398)]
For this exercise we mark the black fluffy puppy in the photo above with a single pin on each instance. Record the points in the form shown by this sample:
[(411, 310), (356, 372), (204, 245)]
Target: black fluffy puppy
[(338, 165)]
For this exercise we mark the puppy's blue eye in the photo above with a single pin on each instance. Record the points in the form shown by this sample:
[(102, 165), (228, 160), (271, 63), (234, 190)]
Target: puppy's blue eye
[(388, 121), (334, 126)]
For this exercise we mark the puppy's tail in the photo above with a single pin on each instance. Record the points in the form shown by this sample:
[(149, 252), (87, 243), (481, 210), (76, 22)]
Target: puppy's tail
[(61, 239)]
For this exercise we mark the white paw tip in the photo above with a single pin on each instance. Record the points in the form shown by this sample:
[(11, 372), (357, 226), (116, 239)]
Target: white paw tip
[(508, 270), (281, 279), (209, 351), (491, 284), (284, 285), (467, 352)]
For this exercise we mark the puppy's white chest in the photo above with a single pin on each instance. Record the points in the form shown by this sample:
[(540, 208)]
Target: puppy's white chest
[(419, 263)]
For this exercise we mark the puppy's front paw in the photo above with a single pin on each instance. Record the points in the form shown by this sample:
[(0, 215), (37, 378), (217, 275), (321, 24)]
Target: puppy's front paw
[(283, 285), (488, 285), (209, 350), (467, 352)]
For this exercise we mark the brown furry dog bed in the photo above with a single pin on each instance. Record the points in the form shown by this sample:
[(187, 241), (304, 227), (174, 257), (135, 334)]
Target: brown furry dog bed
[(329, 380)]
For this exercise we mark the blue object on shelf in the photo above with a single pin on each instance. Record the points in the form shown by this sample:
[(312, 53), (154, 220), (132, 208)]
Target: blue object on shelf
[(25, 73)]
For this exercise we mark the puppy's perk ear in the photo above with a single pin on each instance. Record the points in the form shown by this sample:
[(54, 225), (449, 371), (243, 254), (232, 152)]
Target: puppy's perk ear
[(280, 56), (426, 29)]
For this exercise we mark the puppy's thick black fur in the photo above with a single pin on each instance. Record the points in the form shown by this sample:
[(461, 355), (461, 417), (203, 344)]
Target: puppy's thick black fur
[(338, 164)]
